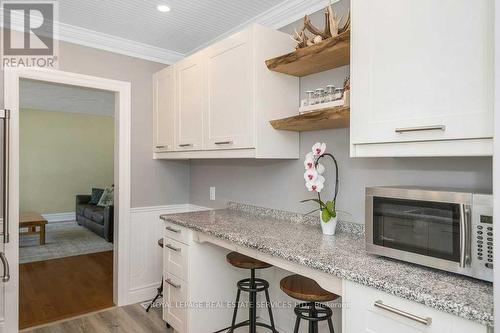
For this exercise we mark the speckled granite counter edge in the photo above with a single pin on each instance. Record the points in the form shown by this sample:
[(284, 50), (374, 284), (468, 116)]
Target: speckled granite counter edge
[(460, 310), (342, 226)]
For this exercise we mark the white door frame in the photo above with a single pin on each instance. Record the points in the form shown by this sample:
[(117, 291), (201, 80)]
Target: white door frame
[(121, 177)]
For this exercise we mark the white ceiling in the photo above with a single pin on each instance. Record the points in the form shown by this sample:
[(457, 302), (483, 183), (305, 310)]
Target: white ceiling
[(47, 96), (188, 25)]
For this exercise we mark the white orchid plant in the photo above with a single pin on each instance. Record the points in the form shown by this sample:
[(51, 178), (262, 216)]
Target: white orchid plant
[(315, 181)]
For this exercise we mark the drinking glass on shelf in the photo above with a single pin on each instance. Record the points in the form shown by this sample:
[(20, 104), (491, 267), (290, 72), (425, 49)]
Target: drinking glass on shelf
[(330, 93), (310, 98), (339, 93), (320, 95)]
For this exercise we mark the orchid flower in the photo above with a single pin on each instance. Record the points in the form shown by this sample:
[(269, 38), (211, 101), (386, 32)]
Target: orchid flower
[(318, 149), (309, 161), (311, 175)]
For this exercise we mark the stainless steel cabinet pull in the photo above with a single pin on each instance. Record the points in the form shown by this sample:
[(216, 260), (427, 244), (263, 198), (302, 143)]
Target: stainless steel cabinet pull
[(5, 115), (176, 249), (173, 229), (160, 147), (420, 128), (426, 321), (185, 145), (6, 269), (176, 286), (224, 143)]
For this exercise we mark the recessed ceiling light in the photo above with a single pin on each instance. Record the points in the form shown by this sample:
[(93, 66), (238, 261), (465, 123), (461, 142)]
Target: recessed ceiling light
[(163, 8)]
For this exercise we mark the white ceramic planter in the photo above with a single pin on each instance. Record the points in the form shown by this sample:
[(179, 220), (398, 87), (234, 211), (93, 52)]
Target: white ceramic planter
[(329, 227)]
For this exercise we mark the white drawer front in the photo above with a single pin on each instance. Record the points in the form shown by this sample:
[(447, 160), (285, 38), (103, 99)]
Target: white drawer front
[(175, 258), (175, 297), (177, 233), (374, 311)]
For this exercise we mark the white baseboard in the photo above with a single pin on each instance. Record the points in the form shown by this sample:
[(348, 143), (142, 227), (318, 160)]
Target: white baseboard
[(60, 217)]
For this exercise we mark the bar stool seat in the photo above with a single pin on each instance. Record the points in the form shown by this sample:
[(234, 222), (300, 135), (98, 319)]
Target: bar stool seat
[(310, 292), (242, 261), (305, 289)]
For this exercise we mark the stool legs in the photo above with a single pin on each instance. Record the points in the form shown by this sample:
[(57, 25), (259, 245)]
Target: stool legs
[(313, 314), (159, 293), (252, 286)]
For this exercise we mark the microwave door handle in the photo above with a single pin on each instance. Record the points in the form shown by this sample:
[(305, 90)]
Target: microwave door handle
[(465, 236)]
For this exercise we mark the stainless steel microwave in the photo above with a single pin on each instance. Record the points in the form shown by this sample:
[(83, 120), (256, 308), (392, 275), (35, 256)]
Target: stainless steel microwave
[(447, 229)]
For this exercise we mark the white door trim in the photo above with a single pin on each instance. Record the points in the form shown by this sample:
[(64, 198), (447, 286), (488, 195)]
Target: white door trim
[(122, 176)]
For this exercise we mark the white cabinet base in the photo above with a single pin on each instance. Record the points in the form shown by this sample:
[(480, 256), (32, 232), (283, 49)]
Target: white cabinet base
[(479, 147)]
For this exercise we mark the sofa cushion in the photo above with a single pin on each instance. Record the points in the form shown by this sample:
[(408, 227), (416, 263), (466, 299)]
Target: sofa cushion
[(81, 208), (96, 196), (95, 214)]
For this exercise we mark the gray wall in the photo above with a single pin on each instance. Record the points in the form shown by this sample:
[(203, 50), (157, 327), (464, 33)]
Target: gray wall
[(153, 182), (280, 184)]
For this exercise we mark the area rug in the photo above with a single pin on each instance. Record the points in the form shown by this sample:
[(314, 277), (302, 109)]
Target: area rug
[(62, 239)]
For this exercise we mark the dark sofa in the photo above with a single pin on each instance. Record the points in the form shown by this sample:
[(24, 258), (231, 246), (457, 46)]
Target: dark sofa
[(95, 218)]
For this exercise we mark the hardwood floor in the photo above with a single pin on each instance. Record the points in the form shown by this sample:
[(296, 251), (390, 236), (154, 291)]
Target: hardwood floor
[(127, 319), (56, 289)]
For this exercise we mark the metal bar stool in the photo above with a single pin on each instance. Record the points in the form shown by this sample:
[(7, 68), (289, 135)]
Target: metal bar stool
[(253, 286), (307, 290), (160, 288)]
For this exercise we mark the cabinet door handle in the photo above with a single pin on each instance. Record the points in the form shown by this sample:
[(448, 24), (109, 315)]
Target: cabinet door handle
[(422, 320), (178, 231), (185, 145), (161, 147), (176, 286), (224, 143), (173, 248), (420, 129), (6, 270)]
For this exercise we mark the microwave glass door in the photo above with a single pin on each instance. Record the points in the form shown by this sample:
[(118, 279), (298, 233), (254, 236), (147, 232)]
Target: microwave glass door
[(423, 227)]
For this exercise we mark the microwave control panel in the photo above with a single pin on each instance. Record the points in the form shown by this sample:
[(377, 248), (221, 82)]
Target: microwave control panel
[(482, 236)]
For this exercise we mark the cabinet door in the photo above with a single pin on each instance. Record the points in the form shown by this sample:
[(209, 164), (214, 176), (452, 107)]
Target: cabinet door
[(164, 109), (421, 70), (229, 114), (190, 99)]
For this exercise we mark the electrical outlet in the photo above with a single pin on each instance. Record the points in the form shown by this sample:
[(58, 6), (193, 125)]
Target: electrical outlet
[(212, 193)]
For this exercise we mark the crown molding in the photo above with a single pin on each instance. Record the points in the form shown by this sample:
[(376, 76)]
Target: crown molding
[(276, 17), (98, 40)]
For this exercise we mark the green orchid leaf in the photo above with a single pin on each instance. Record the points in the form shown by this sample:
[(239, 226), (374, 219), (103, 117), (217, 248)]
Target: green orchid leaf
[(325, 215), (321, 203), (330, 206)]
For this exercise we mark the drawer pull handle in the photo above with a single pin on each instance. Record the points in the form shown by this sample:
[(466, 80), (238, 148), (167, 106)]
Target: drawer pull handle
[(173, 248), (159, 147), (178, 231), (224, 143), (176, 286), (185, 145), (426, 321), (420, 128)]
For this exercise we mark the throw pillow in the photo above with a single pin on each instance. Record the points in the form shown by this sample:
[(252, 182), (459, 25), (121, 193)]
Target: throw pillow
[(96, 196), (107, 197)]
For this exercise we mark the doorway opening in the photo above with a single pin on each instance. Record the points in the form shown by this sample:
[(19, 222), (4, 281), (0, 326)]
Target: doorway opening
[(102, 255), (66, 201)]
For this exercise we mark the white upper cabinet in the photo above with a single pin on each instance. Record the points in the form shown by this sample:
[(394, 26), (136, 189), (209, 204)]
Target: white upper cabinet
[(422, 77), (226, 96), (229, 111), (190, 103), (164, 109)]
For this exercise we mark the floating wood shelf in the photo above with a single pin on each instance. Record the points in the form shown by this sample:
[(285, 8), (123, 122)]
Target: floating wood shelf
[(331, 53), (337, 117)]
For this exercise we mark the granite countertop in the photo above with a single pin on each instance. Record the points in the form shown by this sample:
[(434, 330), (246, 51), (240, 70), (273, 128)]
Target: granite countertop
[(298, 239)]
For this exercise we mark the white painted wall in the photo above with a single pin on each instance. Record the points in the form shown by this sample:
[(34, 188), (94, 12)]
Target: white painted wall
[(496, 165)]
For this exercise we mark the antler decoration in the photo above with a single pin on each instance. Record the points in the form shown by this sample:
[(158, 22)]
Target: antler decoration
[(332, 28)]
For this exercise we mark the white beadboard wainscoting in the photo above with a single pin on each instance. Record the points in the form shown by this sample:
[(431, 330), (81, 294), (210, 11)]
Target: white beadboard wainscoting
[(145, 259)]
